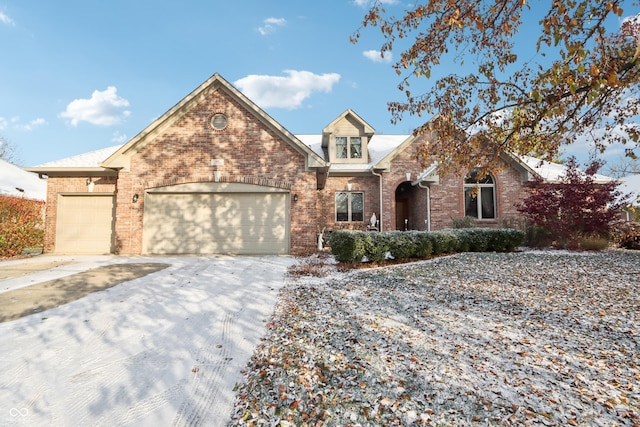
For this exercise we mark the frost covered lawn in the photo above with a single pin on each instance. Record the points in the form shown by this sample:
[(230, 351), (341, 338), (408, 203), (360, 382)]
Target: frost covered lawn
[(531, 338)]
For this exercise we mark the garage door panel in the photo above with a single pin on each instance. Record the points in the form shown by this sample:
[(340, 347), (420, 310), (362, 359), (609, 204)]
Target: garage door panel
[(84, 224), (240, 223)]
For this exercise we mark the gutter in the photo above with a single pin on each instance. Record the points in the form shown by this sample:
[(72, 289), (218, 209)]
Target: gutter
[(379, 175)]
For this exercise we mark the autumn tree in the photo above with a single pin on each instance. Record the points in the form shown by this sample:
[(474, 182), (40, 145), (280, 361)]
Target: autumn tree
[(577, 207), (577, 74)]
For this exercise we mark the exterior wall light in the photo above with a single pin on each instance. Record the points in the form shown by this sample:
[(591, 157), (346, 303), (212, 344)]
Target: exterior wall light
[(295, 197), (135, 197)]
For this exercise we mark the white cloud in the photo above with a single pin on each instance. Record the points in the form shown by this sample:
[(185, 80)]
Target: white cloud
[(104, 108), (375, 56), (118, 138), (285, 92), (271, 24), (3, 123), (5, 19), (32, 124), (368, 3)]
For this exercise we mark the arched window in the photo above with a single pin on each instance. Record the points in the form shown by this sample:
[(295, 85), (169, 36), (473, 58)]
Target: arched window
[(479, 196)]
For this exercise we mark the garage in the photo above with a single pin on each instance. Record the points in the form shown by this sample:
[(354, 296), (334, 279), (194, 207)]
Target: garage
[(84, 223), (216, 218)]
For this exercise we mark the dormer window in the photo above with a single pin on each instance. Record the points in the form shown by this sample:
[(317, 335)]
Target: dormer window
[(346, 138), (348, 147)]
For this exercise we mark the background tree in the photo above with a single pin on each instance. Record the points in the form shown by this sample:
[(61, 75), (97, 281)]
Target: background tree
[(623, 166), (576, 208), (578, 80), (8, 151)]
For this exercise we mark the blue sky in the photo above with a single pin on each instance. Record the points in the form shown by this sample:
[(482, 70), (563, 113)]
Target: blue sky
[(81, 75)]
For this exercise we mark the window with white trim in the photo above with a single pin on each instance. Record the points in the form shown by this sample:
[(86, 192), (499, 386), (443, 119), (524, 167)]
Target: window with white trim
[(479, 196), (348, 147), (349, 206)]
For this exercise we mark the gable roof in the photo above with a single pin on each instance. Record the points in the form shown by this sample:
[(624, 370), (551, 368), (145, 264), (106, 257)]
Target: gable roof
[(121, 158), (379, 146), (368, 130)]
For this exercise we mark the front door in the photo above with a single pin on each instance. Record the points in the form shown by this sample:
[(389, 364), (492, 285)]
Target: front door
[(402, 214)]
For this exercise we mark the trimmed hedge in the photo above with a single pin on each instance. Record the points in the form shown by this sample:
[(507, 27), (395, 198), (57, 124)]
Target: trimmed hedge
[(358, 246)]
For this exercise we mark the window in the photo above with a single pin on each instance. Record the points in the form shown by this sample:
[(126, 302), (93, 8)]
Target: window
[(218, 121), (348, 147), (349, 206), (479, 196)]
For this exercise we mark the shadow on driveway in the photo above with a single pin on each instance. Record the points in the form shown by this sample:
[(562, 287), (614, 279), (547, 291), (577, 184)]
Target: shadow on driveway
[(54, 293)]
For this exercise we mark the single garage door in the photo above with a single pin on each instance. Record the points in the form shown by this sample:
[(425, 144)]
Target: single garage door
[(85, 224), (252, 221)]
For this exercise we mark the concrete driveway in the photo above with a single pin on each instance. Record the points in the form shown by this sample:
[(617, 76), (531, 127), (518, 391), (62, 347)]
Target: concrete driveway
[(159, 350)]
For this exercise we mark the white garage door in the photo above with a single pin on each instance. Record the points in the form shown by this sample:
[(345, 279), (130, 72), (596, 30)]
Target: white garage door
[(216, 223), (84, 224)]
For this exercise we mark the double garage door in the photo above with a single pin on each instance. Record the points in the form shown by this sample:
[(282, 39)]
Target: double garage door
[(232, 219), (184, 219)]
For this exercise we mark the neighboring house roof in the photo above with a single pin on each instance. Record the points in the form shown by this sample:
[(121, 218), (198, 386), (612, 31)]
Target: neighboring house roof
[(90, 159), (631, 184), (80, 165), (15, 181), (553, 172)]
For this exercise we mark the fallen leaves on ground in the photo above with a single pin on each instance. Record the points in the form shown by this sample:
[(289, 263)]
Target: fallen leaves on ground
[(531, 338)]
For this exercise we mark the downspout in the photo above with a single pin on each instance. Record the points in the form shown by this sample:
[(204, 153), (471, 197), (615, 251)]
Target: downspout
[(428, 204), (379, 175)]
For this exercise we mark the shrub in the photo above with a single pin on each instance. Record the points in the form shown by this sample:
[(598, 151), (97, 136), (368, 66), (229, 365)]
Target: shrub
[(464, 222), (594, 244), (354, 246), (478, 240), (626, 235), (424, 248), (21, 225), (401, 244), (379, 247), (344, 245), (506, 240), (575, 208)]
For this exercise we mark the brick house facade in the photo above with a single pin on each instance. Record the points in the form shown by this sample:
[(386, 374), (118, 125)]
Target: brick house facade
[(216, 174)]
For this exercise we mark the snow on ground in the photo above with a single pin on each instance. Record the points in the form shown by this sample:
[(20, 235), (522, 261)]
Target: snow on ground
[(164, 349), (533, 338)]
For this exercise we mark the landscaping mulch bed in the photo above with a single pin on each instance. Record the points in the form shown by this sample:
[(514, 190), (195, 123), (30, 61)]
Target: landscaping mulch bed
[(531, 338)]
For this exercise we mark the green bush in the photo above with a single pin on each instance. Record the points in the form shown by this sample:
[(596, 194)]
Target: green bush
[(401, 244), (344, 245), (424, 248), (21, 225), (473, 240), (355, 246), (379, 247), (537, 237), (464, 222)]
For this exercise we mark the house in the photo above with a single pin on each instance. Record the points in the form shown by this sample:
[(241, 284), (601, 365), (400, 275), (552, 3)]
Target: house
[(216, 174), (15, 181)]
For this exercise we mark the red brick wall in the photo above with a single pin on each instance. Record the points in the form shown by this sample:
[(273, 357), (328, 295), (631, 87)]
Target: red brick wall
[(252, 153), (368, 184), (57, 185), (447, 198)]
